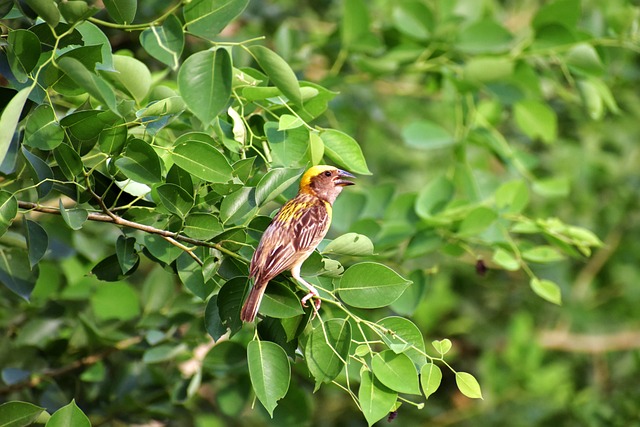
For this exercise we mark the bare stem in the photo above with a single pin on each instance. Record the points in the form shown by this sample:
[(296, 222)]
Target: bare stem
[(118, 220)]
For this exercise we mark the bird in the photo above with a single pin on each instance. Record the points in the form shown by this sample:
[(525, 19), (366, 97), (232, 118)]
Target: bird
[(294, 233)]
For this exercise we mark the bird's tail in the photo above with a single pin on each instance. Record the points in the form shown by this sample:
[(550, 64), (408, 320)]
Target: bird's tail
[(252, 304)]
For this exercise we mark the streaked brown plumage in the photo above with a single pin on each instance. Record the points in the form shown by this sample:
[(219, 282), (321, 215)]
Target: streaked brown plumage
[(294, 233)]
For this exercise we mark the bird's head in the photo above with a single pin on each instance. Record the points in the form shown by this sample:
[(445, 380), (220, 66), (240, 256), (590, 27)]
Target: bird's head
[(325, 182)]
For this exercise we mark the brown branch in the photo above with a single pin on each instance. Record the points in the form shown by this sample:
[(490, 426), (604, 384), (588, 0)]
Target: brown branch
[(585, 343), (118, 220), (89, 360)]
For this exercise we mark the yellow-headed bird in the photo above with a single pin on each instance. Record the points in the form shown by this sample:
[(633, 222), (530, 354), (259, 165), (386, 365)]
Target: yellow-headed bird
[(294, 233)]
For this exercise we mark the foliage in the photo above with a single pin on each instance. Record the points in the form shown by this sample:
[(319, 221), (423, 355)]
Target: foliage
[(183, 127)]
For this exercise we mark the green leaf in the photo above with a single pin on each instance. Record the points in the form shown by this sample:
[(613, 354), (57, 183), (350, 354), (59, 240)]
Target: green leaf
[(74, 218), (552, 187), (485, 36), (202, 226), (8, 210), (584, 59), (47, 10), (434, 197), (113, 138), (37, 241), (288, 148), (376, 400), (344, 151), (132, 76), (512, 196), (546, 289), (68, 160), (230, 299), (43, 130), (287, 121), (565, 12), (140, 162), (212, 320), (371, 285), (122, 11), (279, 72), (92, 83), (69, 415), (190, 274), (269, 371), (164, 353), (18, 414), (108, 269), (468, 385), (16, 273), (442, 346), (536, 120), (89, 56), (396, 371), (75, 11), (430, 378), (280, 302), (403, 336), (413, 18), (206, 18), (204, 82), (203, 161), (506, 260), (274, 183), (128, 258), (115, 301), (41, 172), (426, 135), (175, 199), (160, 248), (542, 254), (316, 148), (477, 221), (226, 357), (326, 355), (23, 53), (237, 206), (488, 69), (165, 42), (353, 244), (9, 120), (355, 26)]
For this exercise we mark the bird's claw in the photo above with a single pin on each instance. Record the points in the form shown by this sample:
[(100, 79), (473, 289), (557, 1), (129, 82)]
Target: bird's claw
[(315, 305)]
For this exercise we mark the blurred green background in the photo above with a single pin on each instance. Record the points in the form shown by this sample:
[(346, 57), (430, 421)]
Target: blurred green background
[(481, 92)]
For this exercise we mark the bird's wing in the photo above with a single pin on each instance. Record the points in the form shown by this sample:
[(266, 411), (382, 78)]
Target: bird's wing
[(285, 242)]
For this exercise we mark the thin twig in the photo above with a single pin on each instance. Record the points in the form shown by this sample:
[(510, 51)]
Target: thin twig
[(118, 220)]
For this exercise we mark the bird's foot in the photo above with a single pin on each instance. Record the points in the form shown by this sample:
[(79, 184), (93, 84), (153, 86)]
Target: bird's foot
[(316, 302)]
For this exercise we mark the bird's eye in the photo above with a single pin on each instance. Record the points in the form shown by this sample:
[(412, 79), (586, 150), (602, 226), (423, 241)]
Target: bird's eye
[(327, 173)]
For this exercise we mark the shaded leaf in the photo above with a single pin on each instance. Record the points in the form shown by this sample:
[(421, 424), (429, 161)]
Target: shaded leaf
[(37, 241), (269, 371), (326, 356)]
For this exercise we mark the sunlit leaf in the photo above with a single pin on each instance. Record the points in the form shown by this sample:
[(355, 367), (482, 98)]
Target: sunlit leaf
[(371, 285)]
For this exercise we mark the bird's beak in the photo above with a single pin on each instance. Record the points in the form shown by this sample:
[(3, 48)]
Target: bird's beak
[(341, 178)]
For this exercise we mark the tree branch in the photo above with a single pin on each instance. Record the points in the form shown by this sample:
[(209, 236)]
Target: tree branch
[(118, 220), (586, 343), (92, 359)]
